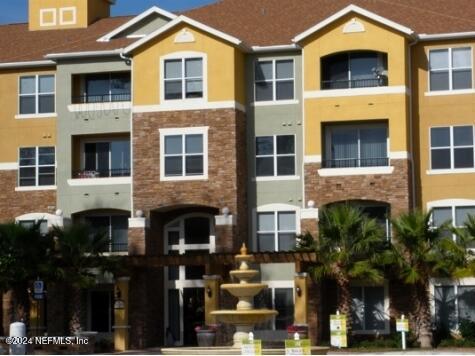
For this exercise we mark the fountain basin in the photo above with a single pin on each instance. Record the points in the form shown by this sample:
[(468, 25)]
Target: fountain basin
[(246, 290), (244, 317), (244, 274)]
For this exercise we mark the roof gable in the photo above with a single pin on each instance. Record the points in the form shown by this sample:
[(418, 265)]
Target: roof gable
[(155, 10), (353, 9), (184, 20)]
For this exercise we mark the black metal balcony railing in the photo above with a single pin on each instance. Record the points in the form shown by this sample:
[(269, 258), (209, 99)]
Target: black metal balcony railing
[(353, 84), (355, 163), (116, 247), (103, 98), (108, 173)]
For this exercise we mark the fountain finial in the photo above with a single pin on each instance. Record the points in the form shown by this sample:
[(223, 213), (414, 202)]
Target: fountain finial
[(243, 250)]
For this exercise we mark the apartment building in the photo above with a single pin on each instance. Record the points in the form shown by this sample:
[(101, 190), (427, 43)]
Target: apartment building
[(186, 135)]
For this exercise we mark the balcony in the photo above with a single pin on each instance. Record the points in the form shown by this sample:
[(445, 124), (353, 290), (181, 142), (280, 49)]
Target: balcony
[(97, 158), (101, 98), (353, 84), (354, 70), (96, 88), (355, 162)]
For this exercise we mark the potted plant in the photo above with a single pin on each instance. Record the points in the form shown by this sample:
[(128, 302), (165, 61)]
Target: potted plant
[(206, 335), (301, 329)]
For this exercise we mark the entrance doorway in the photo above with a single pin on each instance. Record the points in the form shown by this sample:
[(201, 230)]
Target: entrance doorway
[(184, 295)]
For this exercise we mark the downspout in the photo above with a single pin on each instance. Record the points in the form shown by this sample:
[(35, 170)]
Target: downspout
[(411, 120)]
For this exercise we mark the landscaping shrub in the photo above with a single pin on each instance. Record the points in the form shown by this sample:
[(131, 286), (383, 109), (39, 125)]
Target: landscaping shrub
[(467, 329)]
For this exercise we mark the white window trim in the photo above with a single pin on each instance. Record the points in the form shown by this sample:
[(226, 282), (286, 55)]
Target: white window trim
[(452, 147), (451, 204), (184, 131), (275, 155), (386, 330), (53, 220), (274, 208), (37, 166), (274, 100), (450, 69), (180, 102), (181, 248), (42, 14), (62, 11), (272, 285), (445, 282), (36, 95)]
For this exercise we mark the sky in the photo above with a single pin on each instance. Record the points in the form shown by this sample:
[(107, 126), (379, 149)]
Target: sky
[(12, 11)]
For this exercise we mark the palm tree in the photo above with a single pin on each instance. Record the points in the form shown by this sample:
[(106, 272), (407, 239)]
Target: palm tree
[(348, 247), (24, 256), (79, 260), (421, 251)]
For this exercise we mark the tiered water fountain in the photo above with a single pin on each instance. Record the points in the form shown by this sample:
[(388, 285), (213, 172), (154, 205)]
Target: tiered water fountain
[(245, 317)]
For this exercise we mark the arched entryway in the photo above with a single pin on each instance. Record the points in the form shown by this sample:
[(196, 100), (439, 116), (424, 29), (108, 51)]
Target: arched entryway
[(192, 233)]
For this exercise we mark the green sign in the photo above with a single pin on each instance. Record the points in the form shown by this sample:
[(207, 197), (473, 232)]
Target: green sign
[(251, 348), (402, 325), (297, 347), (338, 331)]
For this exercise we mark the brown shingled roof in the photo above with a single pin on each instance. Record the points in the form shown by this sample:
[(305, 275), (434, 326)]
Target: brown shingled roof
[(17, 44), (256, 22), (276, 22)]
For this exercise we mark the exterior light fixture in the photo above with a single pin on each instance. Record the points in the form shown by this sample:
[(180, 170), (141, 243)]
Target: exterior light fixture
[(299, 291), (119, 303), (226, 211)]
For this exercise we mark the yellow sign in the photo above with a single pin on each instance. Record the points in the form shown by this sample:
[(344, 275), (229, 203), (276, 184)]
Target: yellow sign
[(338, 331), (297, 347), (251, 348), (402, 325)]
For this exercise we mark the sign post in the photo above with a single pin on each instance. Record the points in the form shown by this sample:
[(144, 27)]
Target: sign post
[(298, 346), (338, 330), (251, 347), (402, 326)]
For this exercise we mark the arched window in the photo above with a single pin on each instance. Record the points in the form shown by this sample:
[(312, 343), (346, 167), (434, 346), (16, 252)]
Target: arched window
[(359, 69)]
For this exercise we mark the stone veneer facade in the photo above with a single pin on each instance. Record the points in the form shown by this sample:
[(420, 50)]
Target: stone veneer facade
[(393, 189), (14, 204)]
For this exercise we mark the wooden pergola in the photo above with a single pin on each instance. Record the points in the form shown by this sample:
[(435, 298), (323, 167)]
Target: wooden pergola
[(192, 259)]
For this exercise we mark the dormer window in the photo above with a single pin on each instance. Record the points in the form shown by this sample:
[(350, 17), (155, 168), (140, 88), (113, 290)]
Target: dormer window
[(183, 78), (349, 70)]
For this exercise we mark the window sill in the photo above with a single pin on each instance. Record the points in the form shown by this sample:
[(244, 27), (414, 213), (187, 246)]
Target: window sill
[(109, 254), (450, 171), (35, 188), (450, 92), (184, 179), (117, 105), (274, 103), (335, 172), (99, 181), (275, 178), (36, 116)]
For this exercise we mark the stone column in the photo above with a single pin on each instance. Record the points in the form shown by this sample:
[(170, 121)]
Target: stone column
[(212, 294), (121, 314), (309, 220), (301, 298), (138, 228), (224, 231)]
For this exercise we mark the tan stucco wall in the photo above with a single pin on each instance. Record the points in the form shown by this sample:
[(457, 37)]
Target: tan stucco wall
[(431, 111), (391, 107), (225, 67), (17, 133)]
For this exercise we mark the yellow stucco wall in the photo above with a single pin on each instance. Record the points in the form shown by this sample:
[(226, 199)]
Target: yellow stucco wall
[(375, 38), (431, 111), (87, 11), (17, 133), (225, 67), (391, 107)]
